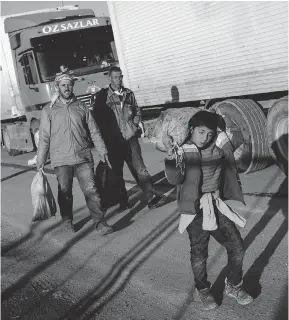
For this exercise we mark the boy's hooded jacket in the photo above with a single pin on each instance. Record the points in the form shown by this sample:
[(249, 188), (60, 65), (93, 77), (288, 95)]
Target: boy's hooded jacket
[(66, 131), (189, 183)]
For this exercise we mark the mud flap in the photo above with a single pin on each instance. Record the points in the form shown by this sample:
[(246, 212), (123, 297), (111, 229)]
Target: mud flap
[(20, 137)]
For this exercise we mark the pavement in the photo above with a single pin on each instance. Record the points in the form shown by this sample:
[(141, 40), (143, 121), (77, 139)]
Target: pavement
[(142, 270)]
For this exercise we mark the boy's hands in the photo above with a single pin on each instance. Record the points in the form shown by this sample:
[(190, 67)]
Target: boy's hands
[(170, 152), (168, 141)]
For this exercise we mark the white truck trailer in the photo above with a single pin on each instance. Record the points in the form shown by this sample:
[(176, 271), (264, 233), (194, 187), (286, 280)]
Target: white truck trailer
[(232, 55)]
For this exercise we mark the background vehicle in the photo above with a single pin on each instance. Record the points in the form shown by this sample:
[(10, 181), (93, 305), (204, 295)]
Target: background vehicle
[(231, 55), (37, 45)]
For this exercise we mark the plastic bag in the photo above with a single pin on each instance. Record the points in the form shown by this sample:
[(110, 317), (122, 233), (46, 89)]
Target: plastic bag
[(32, 162), (43, 202), (106, 185)]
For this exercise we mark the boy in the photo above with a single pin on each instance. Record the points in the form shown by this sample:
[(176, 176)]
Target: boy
[(205, 174)]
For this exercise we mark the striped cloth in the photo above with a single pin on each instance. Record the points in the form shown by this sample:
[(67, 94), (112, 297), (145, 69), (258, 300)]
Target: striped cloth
[(211, 169)]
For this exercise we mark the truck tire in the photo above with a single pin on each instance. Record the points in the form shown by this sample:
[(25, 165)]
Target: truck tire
[(34, 127), (246, 124), (277, 130)]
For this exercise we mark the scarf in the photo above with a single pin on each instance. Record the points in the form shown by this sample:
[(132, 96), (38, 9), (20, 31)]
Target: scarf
[(60, 77)]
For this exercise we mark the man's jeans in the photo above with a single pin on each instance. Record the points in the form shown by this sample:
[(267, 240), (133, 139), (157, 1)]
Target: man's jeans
[(227, 235), (84, 173), (134, 161)]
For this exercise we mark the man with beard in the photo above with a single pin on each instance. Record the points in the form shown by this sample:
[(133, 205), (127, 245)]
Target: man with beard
[(66, 130), (118, 116)]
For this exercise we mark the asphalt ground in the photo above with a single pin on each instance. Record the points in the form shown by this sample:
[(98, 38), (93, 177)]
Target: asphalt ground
[(142, 270)]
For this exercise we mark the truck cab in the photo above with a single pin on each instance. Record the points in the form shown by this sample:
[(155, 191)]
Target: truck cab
[(46, 43)]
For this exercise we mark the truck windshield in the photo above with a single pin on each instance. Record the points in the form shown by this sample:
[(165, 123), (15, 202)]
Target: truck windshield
[(84, 51)]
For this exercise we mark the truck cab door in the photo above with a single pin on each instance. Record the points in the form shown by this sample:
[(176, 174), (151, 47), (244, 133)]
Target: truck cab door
[(29, 81)]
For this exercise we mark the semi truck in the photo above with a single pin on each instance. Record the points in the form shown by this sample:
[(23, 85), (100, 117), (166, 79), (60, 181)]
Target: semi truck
[(228, 56), (231, 57), (37, 45)]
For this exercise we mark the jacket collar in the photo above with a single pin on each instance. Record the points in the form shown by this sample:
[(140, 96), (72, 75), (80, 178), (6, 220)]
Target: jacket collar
[(111, 91), (60, 103)]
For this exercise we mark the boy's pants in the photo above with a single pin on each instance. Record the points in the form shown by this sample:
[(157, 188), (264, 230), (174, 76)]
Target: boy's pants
[(227, 235), (84, 173)]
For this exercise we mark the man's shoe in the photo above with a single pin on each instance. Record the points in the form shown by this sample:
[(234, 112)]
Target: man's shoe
[(68, 225), (103, 228), (157, 202), (237, 292), (206, 298)]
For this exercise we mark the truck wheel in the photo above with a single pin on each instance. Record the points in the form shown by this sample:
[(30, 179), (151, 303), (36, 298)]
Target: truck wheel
[(277, 130), (246, 128), (35, 125)]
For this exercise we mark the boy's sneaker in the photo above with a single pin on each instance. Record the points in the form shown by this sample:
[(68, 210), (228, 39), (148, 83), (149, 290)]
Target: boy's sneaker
[(208, 301), (237, 292)]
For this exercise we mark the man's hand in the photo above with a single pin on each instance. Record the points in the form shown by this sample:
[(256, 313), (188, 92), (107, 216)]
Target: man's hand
[(107, 161), (104, 158), (40, 166), (141, 126)]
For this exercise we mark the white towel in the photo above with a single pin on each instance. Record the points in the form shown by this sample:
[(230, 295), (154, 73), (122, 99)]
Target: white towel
[(209, 216)]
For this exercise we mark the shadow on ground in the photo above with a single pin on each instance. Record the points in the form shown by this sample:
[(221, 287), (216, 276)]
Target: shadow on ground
[(277, 203)]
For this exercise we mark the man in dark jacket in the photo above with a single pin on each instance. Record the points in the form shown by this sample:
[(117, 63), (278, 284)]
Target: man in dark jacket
[(118, 116), (65, 130)]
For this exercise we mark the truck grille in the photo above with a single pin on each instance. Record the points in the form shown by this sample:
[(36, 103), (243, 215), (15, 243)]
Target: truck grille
[(85, 99)]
